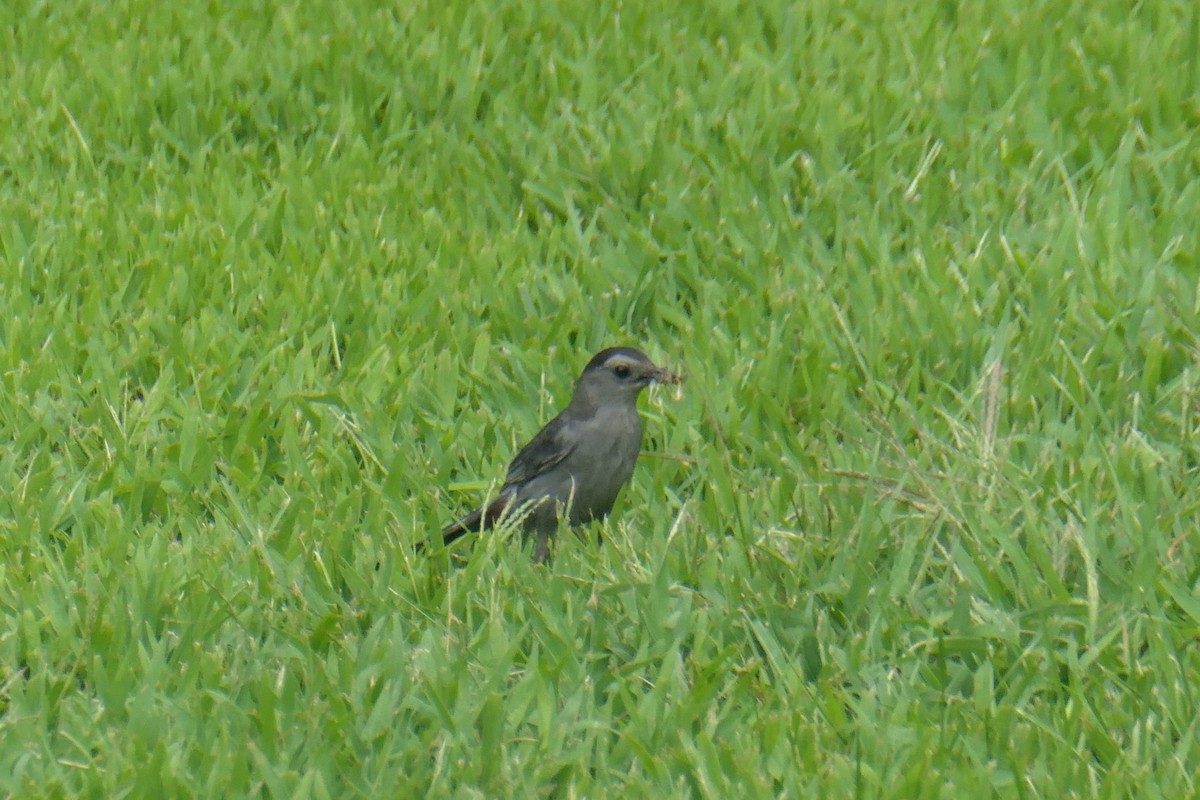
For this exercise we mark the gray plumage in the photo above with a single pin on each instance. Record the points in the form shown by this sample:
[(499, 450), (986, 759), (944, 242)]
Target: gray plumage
[(579, 462)]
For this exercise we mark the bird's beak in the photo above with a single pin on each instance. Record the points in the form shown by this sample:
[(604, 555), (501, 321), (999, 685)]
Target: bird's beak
[(664, 375)]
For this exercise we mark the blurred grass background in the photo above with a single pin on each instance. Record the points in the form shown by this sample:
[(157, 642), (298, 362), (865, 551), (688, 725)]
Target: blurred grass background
[(285, 285)]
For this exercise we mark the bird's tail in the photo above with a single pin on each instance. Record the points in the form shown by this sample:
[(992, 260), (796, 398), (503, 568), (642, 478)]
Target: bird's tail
[(474, 522), (471, 523)]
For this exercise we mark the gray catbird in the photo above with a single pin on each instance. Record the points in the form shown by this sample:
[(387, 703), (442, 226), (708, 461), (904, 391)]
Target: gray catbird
[(577, 464)]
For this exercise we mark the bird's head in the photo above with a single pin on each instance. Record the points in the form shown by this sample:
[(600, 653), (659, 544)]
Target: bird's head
[(618, 375)]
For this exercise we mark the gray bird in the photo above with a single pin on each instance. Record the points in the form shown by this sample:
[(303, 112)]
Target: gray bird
[(577, 464)]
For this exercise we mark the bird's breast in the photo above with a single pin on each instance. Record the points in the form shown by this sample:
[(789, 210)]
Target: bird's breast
[(603, 461)]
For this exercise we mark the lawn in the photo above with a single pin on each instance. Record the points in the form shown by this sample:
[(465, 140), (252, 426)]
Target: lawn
[(285, 285)]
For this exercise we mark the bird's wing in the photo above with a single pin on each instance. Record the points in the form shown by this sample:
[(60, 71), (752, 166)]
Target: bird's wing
[(551, 445)]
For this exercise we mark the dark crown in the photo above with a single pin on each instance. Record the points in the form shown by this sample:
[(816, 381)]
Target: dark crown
[(601, 358)]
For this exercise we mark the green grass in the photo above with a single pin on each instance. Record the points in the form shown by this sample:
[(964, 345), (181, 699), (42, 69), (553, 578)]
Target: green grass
[(284, 286)]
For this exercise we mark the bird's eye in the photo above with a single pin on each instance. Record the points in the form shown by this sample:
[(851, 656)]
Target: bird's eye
[(622, 371)]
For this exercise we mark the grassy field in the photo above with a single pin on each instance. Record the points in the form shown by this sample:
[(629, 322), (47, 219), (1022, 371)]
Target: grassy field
[(285, 285)]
